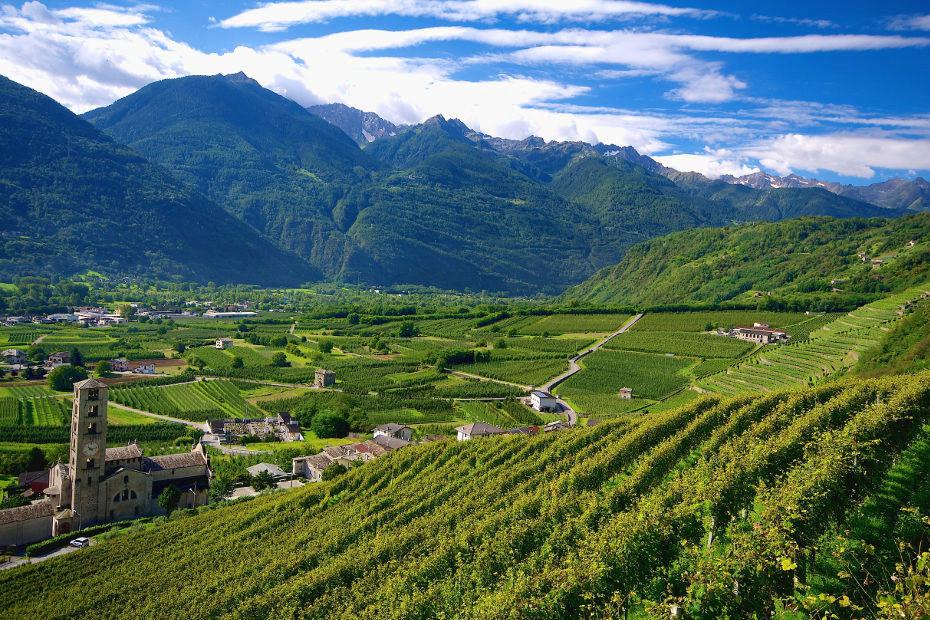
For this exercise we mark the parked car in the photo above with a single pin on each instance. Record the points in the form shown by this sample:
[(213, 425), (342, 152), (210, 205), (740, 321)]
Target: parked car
[(83, 541)]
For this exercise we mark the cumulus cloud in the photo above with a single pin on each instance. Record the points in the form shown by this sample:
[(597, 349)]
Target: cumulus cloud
[(276, 16), (711, 163), (848, 154)]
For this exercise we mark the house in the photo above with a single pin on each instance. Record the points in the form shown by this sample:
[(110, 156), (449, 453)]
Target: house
[(213, 314), (477, 429), (62, 317), (119, 364), (911, 243), (276, 472), (394, 430), (144, 369), (541, 400), (626, 393), (324, 378), (224, 343), (14, 320), (759, 333), (57, 359), (390, 443), (13, 356), (311, 467)]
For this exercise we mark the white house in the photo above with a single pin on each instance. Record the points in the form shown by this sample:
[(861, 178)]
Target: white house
[(144, 369), (224, 343), (760, 333), (14, 356), (541, 400), (394, 430), (477, 429)]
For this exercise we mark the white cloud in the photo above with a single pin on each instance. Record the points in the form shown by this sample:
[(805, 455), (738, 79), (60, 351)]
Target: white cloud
[(847, 154), (276, 16), (910, 22), (711, 163)]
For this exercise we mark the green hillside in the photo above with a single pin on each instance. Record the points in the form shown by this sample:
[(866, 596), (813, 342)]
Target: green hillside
[(436, 204), (803, 259), (71, 200), (777, 505)]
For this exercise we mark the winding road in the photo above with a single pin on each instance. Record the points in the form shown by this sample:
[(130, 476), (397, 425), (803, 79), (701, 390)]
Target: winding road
[(574, 367)]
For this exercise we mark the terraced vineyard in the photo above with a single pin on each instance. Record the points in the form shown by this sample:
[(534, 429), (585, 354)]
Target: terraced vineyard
[(42, 411), (716, 506), (832, 348), (201, 400)]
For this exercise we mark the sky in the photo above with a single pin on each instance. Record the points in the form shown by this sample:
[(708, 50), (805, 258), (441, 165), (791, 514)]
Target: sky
[(834, 90)]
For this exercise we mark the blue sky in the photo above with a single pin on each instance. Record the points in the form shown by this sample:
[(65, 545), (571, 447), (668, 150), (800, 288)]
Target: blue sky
[(835, 90)]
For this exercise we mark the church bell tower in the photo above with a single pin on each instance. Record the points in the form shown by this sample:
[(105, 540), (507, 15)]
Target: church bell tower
[(87, 459)]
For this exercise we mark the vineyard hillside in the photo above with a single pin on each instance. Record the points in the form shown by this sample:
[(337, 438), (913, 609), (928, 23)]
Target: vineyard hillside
[(790, 504)]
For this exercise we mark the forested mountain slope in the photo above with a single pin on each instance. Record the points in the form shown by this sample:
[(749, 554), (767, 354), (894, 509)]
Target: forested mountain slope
[(808, 257), (437, 203), (731, 509), (71, 199)]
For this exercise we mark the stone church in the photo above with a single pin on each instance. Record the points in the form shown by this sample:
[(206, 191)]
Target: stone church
[(100, 484)]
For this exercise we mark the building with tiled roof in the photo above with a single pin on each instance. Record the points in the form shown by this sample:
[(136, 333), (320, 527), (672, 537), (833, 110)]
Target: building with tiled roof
[(100, 484)]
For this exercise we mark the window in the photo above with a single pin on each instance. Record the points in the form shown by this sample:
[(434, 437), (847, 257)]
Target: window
[(116, 498), (125, 494), (132, 495), (89, 464), (92, 428), (125, 479), (92, 411), (93, 394)]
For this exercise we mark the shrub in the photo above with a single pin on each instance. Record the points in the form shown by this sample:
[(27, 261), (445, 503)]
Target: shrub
[(327, 425)]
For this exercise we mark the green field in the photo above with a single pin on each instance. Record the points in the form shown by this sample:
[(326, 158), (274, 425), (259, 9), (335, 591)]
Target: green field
[(574, 324), (198, 401), (119, 416), (707, 320), (535, 371), (680, 343), (650, 376), (42, 411)]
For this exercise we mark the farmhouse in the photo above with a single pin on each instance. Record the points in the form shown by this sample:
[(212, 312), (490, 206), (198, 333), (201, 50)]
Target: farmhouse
[(312, 467), (477, 429), (14, 356), (760, 333), (224, 343), (324, 378), (119, 364), (541, 400), (57, 359), (394, 430), (100, 484), (144, 369)]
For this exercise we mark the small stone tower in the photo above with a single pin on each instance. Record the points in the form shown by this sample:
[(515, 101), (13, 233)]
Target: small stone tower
[(87, 459)]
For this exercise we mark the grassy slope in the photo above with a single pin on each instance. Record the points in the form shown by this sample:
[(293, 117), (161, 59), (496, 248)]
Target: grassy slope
[(790, 258), (561, 525)]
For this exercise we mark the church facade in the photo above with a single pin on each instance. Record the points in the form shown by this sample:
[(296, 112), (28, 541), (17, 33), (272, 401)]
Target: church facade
[(100, 484)]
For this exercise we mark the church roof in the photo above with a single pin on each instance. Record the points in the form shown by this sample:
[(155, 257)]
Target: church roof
[(124, 453), (174, 461), (89, 383), (38, 510)]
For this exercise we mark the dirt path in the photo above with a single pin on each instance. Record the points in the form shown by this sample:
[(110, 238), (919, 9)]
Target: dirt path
[(200, 426), (468, 375)]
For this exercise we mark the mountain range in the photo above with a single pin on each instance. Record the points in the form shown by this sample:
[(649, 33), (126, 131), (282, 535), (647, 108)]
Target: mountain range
[(897, 193), (435, 203)]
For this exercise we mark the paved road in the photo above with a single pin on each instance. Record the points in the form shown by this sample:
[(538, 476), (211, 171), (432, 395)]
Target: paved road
[(20, 560), (574, 367), (468, 375), (201, 426)]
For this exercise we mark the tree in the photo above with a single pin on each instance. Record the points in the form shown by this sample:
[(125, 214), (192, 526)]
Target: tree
[(278, 341), (37, 460), (408, 329), (326, 346), (103, 368), (76, 358), (327, 425), (169, 498), (220, 487), (237, 362), (196, 362), (500, 344), (262, 481), (180, 347), (334, 471), (354, 318), (279, 360), (63, 378), (127, 311)]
